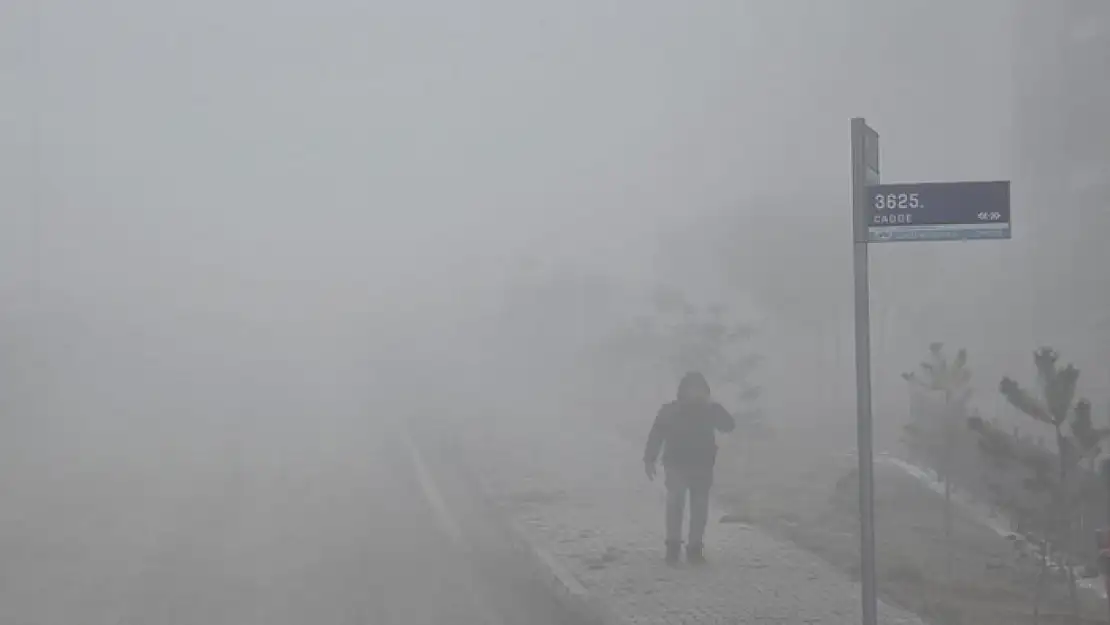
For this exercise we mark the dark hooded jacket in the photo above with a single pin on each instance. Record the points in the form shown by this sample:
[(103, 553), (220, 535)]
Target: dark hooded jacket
[(685, 429)]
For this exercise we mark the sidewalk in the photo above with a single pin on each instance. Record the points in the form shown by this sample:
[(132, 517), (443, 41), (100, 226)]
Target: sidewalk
[(579, 493)]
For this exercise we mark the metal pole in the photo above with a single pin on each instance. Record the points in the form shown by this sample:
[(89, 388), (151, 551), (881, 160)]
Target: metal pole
[(860, 133), (1101, 538)]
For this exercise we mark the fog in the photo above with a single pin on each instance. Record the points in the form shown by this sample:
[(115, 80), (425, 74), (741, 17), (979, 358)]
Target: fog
[(248, 219), (192, 188)]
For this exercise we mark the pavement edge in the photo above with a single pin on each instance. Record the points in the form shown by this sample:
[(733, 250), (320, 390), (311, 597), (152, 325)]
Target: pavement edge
[(544, 565), (547, 568)]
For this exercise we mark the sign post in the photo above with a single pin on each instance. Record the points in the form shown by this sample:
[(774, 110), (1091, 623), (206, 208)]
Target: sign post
[(930, 211), (865, 172)]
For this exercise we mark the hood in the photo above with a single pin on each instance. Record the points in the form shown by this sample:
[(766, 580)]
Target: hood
[(690, 382)]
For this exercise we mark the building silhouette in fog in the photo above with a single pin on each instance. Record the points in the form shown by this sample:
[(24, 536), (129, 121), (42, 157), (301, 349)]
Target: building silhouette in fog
[(1061, 123)]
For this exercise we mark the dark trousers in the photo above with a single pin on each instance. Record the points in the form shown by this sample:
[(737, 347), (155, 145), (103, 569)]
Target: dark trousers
[(680, 481)]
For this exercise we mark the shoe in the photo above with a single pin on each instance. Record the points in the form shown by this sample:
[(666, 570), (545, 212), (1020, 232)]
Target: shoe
[(673, 549), (694, 554)]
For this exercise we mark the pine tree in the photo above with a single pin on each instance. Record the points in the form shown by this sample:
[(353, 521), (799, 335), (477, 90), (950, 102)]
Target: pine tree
[(952, 381)]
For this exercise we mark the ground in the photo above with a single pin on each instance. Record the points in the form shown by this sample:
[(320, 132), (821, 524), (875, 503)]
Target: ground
[(344, 523), (578, 491), (337, 525), (789, 485)]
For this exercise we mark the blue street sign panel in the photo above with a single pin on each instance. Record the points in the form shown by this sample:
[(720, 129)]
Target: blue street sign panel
[(938, 211)]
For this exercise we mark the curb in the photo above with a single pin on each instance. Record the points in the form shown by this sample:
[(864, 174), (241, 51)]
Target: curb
[(566, 587), (542, 563)]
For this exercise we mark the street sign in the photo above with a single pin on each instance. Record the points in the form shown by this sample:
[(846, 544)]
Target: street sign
[(938, 211), (900, 212)]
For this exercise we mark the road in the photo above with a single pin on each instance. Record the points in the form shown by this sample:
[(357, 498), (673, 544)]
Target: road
[(349, 526)]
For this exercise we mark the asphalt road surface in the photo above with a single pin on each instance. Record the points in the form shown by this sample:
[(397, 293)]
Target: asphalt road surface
[(340, 527)]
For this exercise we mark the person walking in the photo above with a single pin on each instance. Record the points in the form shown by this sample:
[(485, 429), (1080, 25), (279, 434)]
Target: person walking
[(685, 431)]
